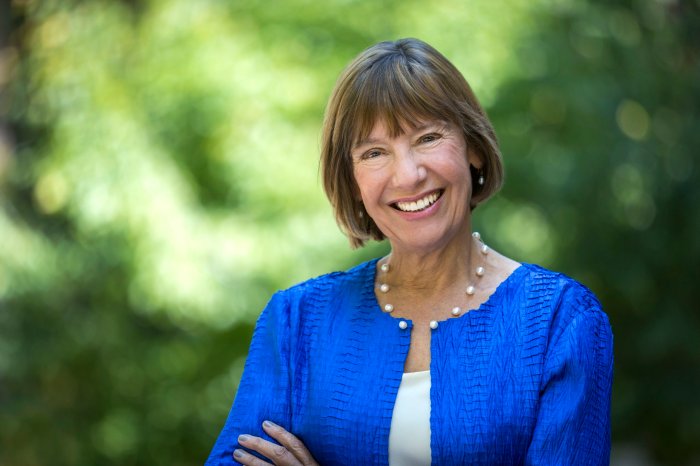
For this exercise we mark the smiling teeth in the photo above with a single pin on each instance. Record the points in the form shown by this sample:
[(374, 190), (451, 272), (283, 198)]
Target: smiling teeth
[(420, 204)]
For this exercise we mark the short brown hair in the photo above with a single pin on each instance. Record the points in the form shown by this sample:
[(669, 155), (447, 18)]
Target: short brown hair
[(400, 83)]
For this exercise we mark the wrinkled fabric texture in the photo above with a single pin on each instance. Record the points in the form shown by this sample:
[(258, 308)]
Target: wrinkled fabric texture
[(523, 379)]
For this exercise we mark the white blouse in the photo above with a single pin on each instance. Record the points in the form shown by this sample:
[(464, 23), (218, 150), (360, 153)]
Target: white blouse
[(409, 438)]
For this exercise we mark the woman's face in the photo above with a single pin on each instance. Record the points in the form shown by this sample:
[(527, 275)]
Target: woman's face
[(416, 186)]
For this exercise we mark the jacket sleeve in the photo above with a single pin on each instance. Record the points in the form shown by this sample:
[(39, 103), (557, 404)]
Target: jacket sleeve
[(573, 423), (264, 390)]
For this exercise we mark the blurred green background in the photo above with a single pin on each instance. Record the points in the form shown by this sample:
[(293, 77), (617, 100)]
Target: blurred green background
[(159, 180)]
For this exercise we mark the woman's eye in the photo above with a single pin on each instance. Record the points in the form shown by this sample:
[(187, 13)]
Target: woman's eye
[(370, 154), (432, 137)]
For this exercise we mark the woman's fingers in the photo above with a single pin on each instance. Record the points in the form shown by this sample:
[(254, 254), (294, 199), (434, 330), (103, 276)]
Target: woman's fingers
[(290, 452), (278, 454), (290, 443), (245, 458)]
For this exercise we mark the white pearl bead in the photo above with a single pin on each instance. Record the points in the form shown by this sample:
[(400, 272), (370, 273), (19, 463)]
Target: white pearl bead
[(385, 267), (433, 324), (388, 308), (476, 235), (470, 290), (479, 271), (403, 325), (384, 288), (484, 249), (456, 311)]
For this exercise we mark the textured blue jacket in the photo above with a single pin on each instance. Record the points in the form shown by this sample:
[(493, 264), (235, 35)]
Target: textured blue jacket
[(523, 379)]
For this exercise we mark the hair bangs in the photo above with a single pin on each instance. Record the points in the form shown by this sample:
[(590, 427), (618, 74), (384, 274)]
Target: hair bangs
[(400, 93)]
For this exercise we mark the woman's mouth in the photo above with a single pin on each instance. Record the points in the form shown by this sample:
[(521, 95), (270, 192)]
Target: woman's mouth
[(420, 204)]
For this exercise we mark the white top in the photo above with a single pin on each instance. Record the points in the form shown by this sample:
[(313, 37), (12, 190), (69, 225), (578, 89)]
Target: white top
[(409, 438)]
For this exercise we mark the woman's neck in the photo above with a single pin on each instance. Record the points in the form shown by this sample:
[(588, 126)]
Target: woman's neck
[(433, 271)]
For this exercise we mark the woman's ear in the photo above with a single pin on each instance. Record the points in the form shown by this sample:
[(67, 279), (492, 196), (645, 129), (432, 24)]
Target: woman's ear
[(475, 173), (474, 160)]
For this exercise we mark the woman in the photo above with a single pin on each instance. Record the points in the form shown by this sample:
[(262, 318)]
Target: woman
[(443, 352)]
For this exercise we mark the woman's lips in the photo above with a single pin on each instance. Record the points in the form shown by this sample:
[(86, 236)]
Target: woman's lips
[(418, 204)]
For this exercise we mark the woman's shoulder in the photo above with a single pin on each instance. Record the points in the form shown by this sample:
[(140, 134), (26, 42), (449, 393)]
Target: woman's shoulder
[(312, 303), (558, 286), (535, 287), (563, 298), (330, 285)]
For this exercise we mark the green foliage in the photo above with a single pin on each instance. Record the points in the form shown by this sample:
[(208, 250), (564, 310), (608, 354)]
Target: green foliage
[(158, 171)]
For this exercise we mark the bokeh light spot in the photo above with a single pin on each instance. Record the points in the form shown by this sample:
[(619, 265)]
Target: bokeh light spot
[(632, 119), (51, 192)]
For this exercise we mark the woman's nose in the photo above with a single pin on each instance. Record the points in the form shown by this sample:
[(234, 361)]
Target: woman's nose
[(408, 170)]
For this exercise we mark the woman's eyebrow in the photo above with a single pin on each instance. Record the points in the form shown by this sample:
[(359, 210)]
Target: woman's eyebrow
[(430, 124), (365, 142)]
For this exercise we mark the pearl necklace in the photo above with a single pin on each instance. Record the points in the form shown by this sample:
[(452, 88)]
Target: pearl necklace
[(469, 291)]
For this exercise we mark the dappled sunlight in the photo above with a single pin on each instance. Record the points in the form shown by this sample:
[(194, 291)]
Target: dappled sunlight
[(130, 154)]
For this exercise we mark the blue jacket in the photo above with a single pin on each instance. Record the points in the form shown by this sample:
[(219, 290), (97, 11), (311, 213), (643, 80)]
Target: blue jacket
[(523, 379)]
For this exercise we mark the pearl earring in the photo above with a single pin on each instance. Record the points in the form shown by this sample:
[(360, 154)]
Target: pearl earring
[(481, 180)]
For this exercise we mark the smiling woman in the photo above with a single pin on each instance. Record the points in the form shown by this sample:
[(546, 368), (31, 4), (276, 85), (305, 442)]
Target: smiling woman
[(410, 88), (388, 170), (444, 351)]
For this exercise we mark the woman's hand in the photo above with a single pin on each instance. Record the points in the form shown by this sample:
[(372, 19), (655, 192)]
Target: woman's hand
[(290, 452)]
